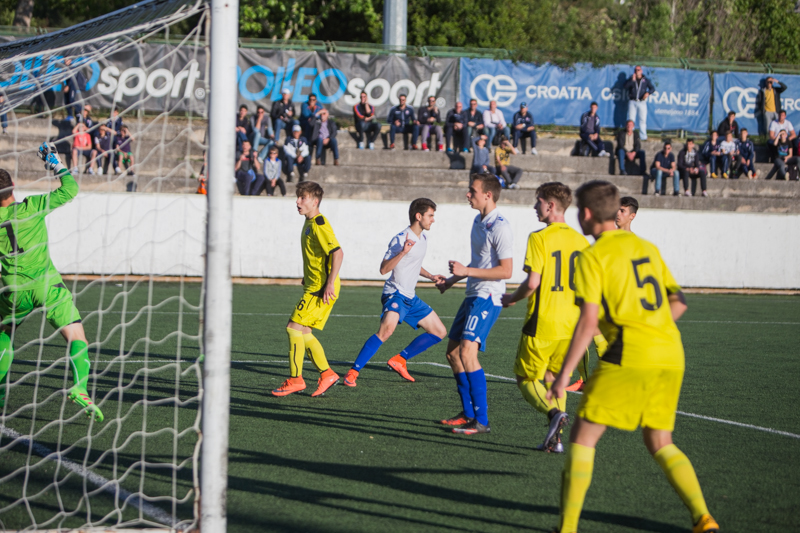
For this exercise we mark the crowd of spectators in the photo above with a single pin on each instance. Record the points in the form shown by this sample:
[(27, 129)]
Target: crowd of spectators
[(105, 147)]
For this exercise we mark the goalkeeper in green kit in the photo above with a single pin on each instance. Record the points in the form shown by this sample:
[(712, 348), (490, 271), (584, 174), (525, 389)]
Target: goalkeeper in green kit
[(32, 282)]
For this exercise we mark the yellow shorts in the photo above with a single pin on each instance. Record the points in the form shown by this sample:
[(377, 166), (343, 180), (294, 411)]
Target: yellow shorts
[(311, 311), (626, 398), (535, 356)]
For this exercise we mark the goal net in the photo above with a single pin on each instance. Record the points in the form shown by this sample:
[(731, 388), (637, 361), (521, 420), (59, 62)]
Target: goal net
[(124, 102)]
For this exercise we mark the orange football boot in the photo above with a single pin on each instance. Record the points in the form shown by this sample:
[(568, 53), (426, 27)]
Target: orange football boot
[(398, 364), (350, 378), (459, 420), (328, 379), (577, 386), (290, 386)]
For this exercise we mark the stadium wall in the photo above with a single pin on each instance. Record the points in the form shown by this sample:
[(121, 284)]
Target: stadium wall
[(95, 235)]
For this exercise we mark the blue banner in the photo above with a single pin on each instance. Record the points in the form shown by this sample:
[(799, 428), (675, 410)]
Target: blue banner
[(681, 100), (737, 92)]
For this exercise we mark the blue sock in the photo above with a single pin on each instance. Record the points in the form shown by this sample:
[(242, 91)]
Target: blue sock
[(462, 383), (477, 389), (370, 348), (419, 345)]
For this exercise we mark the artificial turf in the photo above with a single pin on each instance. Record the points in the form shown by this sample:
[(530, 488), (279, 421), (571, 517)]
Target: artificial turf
[(373, 458)]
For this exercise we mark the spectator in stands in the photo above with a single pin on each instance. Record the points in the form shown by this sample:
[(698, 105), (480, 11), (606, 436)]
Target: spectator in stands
[(768, 102), (474, 120), (481, 159), (123, 146), (711, 153), (114, 124), (783, 150), (663, 166), (272, 172), (523, 126), (297, 153), (324, 135), (86, 118), (782, 123), (263, 134), (691, 167), (494, 122), (729, 152), (429, 118), (629, 147), (402, 120), (309, 114), (728, 124), (103, 149), (455, 124), (283, 115), (366, 122), (248, 170), (72, 88), (244, 129), (81, 146), (639, 88), (590, 132), (747, 156), (502, 157)]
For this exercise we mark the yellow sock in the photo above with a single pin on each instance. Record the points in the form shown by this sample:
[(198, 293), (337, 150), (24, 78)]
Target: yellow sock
[(682, 477), (600, 344), (561, 403), (534, 392), (297, 352), (315, 352), (575, 481)]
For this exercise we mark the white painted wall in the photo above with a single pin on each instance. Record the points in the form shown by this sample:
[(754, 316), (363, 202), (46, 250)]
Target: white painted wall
[(164, 234)]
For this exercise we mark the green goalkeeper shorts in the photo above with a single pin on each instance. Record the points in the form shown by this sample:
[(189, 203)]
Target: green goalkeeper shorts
[(55, 300)]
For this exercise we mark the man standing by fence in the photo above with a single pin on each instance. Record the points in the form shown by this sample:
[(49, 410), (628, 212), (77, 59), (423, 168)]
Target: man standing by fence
[(639, 88)]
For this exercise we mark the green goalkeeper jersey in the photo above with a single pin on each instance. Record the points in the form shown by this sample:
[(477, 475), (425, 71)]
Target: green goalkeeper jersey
[(24, 253)]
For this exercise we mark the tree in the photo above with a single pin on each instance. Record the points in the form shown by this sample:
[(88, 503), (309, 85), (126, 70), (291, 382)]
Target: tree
[(24, 12)]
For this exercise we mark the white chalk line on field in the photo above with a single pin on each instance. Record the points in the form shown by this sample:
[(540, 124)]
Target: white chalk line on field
[(137, 502), (440, 365)]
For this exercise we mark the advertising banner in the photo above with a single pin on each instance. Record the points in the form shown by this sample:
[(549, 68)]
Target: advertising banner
[(338, 79), (559, 96), (738, 91)]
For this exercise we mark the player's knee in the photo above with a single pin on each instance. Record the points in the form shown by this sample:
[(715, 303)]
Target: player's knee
[(655, 439), (385, 332)]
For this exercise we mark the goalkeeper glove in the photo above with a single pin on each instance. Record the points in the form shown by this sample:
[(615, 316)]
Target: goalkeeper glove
[(49, 154)]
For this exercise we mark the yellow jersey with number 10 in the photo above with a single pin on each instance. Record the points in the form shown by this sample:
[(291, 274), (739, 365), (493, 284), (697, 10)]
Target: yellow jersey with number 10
[(318, 243), (627, 278), (552, 252)]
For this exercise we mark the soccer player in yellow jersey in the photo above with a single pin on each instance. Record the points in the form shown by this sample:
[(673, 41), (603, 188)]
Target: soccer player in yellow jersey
[(623, 285), (628, 208), (322, 259), (552, 315)]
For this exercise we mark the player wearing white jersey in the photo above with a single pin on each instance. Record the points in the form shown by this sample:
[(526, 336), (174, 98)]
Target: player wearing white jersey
[(490, 266), (400, 302)]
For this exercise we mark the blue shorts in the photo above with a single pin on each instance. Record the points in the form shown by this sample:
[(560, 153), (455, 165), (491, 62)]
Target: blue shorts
[(474, 320), (411, 310)]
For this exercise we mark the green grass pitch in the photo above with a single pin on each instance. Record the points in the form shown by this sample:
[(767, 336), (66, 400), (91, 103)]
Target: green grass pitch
[(373, 458)]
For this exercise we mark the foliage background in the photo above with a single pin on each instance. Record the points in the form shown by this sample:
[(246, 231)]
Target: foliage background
[(607, 30)]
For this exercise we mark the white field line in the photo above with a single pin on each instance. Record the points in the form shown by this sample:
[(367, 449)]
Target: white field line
[(503, 378), (112, 488)]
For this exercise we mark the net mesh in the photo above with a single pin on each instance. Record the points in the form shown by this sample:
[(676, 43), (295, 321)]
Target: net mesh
[(130, 247)]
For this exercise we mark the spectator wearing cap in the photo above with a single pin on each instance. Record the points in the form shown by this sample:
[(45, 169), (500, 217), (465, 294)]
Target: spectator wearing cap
[(297, 153), (474, 120), (729, 124), (502, 157), (494, 122), (309, 113), (263, 134), (747, 156), (768, 102), (783, 157), (429, 117), (455, 124), (590, 131), (690, 167), (283, 115), (366, 122), (324, 135), (402, 120), (639, 88), (481, 158), (523, 127), (629, 148), (248, 171), (244, 130), (711, 152), (663, 166), (272, 172)]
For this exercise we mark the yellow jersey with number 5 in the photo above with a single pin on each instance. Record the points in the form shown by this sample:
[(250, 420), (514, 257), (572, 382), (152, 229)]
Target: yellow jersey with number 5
[(552, 252), (627, 278)]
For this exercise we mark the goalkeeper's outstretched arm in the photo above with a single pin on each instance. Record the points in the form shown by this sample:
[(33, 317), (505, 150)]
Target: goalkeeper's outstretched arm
[(69, 187)]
